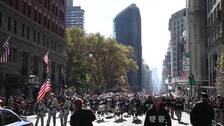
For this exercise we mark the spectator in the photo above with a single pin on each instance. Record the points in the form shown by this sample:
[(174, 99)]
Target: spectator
[(81, 117), (157, 115)]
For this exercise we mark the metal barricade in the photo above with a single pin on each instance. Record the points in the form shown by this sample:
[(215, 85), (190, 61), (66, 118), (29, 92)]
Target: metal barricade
[(218, 117)]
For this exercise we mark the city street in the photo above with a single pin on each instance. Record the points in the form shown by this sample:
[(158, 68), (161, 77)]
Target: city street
[(125, 122)]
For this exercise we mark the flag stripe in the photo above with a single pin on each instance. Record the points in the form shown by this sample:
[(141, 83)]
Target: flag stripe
[(46, 87), (6, 47), (46, 62)]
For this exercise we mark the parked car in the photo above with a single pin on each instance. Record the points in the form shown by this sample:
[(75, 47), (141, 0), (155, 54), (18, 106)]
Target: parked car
[(10, 118)]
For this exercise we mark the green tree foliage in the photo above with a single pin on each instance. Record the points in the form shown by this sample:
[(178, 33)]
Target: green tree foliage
[(93, 60), (220, 73)]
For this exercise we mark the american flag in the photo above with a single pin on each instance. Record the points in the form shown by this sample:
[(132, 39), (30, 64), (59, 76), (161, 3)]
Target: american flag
[(46, 87), (6, 46), (45, 58), (46, 62)]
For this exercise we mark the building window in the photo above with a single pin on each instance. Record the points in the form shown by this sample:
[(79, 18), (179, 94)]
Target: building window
[(0, 19), (52, 44), (10, 2), (49, 5), (47, 43), (45, 3), (9, 23), (35, 65), (12, 55), (35, 15), (28, 33), (56, 11), (29, 10), (44, 40), (24, 63), (23, 30), (15, 26), (53, 8), (34, 35), (44, 21), (38, 37), (24, 7), (55, 46), (17, 4), (48, 23), (52, 26), (39, 18)]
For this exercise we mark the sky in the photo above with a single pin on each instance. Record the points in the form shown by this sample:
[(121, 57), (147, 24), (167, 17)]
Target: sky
[(155, 15)]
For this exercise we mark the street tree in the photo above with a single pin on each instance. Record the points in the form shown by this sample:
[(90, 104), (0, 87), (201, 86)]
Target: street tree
[(97, 61), (220, 73)]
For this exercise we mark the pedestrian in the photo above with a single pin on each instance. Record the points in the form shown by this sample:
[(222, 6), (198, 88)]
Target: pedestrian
[(202, 113), (64, 111), (148, 103), (81, 117), (157, 115), (40, 111), (178, 108), (52, 105)]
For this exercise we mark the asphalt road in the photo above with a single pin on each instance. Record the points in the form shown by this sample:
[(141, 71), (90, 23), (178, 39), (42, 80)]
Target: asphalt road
[(126, 121)]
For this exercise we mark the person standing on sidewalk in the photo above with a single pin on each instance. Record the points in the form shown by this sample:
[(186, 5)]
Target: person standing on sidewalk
[(202, 113), (40, 111), (157, 115)]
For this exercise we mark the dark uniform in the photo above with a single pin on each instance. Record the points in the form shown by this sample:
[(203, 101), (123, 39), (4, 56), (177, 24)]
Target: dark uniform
[(157, 118), (178, 107), (202, 114), (40, 111), (81, 117)]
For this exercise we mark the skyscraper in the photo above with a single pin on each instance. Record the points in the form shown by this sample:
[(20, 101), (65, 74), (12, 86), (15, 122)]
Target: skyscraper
[(177, 24), (197, 40), (74, 15), (127, 29)]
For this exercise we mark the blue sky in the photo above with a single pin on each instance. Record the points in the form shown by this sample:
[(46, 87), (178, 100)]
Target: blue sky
[(155, 14)]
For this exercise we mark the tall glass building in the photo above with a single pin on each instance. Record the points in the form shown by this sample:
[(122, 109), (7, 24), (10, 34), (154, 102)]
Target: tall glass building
[(74, 15), (127, 30)]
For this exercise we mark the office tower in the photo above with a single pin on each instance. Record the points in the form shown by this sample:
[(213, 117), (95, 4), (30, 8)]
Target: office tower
[(127, 29), (196, 34), (177, 24), (74, 15)]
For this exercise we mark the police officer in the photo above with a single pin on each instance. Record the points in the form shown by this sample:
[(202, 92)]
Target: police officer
[(178, 108), (157, 115), (202, 113), (52, 105), (40, 111)]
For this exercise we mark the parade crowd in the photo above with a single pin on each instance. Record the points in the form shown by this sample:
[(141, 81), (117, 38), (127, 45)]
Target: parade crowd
[(114, 105)]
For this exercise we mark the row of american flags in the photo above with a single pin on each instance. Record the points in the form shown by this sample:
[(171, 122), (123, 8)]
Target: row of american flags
[(46, 86)]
